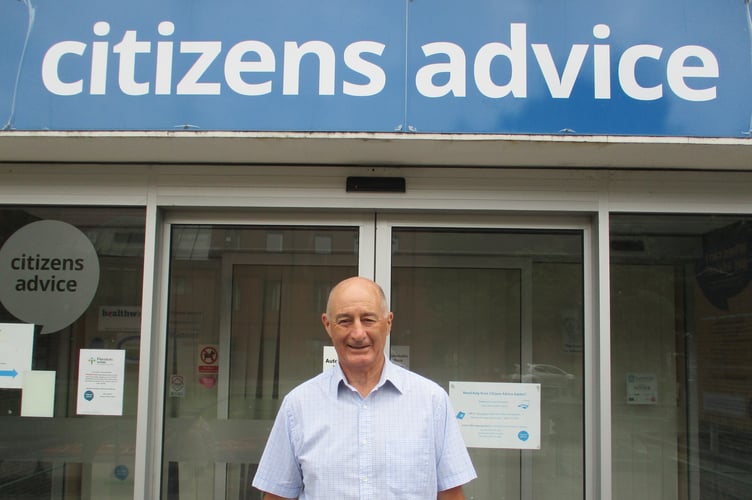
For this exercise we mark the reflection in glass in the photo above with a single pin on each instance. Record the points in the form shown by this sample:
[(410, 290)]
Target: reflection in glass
[(254, 295), (72, 456), (500, 306), (681, 310)]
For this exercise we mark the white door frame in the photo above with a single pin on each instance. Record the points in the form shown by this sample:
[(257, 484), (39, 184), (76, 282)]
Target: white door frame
[(374, 261)]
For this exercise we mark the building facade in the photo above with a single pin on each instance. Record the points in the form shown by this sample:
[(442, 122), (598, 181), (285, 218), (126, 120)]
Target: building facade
[(555, 198)]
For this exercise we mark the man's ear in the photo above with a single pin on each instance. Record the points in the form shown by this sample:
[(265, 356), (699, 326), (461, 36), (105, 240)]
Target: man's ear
[(327, 324)]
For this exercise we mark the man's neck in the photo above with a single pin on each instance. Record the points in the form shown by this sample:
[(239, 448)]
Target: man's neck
[(364, 381)]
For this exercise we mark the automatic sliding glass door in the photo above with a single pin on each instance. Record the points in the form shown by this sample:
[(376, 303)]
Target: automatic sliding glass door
[(243, 329), (486, 303), (497, 305)]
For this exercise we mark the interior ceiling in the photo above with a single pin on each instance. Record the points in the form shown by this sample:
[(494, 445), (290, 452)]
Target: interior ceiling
[(385, 149)]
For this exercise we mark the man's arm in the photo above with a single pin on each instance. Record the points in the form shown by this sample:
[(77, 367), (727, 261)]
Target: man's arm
[(452, 494), (269, 496)]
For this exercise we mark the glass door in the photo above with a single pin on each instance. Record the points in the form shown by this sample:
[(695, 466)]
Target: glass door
[(477, 302), (243, 329), (473, 302)]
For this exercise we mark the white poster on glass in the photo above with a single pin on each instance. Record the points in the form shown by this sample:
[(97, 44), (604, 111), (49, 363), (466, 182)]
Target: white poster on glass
[(38, 394), (642, 389), (16, 346), (330, 357), (101, 375), (498, 414)]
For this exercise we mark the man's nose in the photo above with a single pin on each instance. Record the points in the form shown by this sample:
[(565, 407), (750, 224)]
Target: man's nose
[(358, 330)]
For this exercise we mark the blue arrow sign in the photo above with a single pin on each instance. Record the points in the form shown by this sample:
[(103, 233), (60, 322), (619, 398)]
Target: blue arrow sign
[(8, 373)]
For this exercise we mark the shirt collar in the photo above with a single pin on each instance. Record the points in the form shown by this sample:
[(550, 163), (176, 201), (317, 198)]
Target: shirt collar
[(391, 374)]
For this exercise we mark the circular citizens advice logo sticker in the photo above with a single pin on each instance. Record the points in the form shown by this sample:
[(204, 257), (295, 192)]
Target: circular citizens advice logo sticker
[(49, 274)]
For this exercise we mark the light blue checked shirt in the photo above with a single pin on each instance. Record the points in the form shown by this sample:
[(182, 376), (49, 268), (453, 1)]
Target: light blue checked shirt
[(400, 442)]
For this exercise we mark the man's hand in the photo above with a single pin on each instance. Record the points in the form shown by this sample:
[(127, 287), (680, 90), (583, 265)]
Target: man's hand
[(269, 496), (451, 494)]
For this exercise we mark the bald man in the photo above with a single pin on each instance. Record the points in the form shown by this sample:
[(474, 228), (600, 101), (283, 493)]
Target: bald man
[(366, 428)]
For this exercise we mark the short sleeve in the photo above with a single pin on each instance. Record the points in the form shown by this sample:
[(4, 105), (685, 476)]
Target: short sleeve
[(278, 472), (453, 467)]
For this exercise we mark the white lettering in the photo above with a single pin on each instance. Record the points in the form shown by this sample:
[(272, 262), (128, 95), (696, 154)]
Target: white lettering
[(374, 73), (128, 47), (602, 63), (189, 84), (516, 52), (678, 71), (99, 50), (500, 69), (235, 66), (163, 77), (628, 73), (455, 69), (560, 88), (51, 68), (293, 56)]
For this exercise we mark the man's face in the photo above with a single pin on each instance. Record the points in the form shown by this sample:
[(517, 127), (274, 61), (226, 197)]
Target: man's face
[(358, 324)]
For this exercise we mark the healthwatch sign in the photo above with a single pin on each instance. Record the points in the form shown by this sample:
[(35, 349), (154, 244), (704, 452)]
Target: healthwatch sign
[(674, 67)]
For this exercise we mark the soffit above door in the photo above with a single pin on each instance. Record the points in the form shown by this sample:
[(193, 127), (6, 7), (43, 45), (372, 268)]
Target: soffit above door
[(383, 149)]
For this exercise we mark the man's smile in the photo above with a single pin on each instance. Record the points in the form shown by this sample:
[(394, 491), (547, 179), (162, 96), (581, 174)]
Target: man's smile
[(358, 347)]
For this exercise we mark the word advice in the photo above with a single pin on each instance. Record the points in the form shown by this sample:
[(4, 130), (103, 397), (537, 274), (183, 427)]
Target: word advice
[(249, 67)]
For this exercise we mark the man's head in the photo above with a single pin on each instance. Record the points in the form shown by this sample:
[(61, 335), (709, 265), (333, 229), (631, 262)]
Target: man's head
[(358, 321)]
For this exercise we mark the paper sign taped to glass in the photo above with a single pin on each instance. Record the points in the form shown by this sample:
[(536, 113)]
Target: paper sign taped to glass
[(498, 414)]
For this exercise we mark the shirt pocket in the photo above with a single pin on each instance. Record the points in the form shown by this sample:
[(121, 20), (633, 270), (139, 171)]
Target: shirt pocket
[(409, 468)]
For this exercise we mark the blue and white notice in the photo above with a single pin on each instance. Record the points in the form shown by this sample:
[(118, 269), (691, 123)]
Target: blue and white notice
[(498, 414)]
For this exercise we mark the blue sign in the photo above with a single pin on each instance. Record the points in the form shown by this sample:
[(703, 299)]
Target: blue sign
[(679, 67), (121, 472)]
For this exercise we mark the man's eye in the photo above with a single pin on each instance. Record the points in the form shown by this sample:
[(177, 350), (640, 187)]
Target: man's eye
[(344, 322), (368, 321)]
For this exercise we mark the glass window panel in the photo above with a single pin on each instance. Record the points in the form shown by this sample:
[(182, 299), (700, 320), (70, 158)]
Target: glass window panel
[(681, 335), (500, 306), (70, 456), (255, 295)]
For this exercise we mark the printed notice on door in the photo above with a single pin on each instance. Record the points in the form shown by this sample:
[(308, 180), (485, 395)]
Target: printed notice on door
[(16, 347), (101, 375), (497, 415)]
